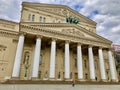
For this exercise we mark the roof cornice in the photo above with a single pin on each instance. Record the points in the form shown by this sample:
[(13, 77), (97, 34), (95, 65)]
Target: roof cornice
[(33, 24), (58, 6)]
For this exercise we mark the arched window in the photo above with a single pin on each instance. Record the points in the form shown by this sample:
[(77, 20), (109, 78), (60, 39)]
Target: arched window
[(85, 64), (44, 19), (26, 58), (39, 74), (33, 17), (40, 59), (71, 75), (59, 75), (46, 74), (86, 76), (40, 19), (95, 64), (75, 62), (29, 17)]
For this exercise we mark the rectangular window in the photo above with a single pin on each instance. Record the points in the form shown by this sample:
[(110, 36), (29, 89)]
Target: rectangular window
[(40, 19), (44, 19), (29, 17), (33, 17)]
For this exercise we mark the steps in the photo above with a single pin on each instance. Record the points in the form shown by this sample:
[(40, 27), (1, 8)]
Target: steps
[(57, 87), (58, 82)]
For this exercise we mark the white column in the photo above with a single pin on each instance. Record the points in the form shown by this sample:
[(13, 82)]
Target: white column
[(52, 59), (17, 62), (102, 65), (79, 62), (112, 66), (36, 59), (91, 63), (67, 61)]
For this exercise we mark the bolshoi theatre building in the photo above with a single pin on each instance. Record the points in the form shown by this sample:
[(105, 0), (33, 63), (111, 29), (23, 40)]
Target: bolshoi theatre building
[(54, 43)]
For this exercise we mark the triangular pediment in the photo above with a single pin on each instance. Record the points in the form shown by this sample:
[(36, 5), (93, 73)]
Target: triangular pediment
[(59, 10), (70, 29)]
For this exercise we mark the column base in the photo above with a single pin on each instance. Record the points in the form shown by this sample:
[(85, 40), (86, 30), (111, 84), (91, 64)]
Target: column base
[(114, 80), (34, 78), (52, 79), (59, 79), (93, 80), (15, 78), (104, 80), (81, 80), (68, 79), (45, 78), (7, 77)]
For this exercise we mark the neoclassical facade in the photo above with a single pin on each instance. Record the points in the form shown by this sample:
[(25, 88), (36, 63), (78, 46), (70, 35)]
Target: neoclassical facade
[(46, 46)]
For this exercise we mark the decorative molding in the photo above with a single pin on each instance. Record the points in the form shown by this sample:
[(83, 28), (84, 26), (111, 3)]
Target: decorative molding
[(6, 24), (6, 33), (62, 36), (72, 31), (52, 25), (62, 11)]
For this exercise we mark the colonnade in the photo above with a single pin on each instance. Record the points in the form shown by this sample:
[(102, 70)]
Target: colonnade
[(35, 68)]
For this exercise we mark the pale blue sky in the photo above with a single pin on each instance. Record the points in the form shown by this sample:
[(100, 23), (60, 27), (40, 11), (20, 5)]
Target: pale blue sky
[(105, 12)]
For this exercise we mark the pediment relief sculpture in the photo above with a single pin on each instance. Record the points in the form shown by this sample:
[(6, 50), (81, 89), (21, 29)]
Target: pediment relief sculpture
[(72, 31)]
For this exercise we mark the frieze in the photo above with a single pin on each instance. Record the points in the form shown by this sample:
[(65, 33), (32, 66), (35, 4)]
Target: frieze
[(52, 10), (65, 12), (63, 36), (6, 25), (70, 26), (58, 11), (9, 34), (72, 31)]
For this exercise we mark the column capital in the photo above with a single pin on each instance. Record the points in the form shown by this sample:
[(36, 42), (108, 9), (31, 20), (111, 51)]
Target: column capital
[(79, 44), (38, 36), (54, 39), (22, 34), (67, 41), (100, 47), (110, 49), (90, 45)]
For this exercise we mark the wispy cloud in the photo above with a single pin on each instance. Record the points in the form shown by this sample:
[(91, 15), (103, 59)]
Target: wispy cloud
[(105, 12)]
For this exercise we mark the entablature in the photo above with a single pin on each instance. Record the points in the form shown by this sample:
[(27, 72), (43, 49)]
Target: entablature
[(7, 33), (46, 32)]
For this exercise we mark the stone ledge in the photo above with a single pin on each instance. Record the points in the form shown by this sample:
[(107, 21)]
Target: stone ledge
[(57, 82)]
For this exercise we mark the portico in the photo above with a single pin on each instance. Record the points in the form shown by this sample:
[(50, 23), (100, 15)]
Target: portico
[(65, 59), (54, 43)]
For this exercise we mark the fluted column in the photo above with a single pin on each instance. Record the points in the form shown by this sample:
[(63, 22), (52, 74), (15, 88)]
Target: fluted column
[(112, 66), (91, 64), (17, 62), (79, 62), (36, 59), (67, 61), (52, 59), (102, 65)]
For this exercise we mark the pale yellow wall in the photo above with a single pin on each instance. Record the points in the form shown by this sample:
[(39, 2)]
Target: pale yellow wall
[(7, 56), (9, 26), (51, 18)]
